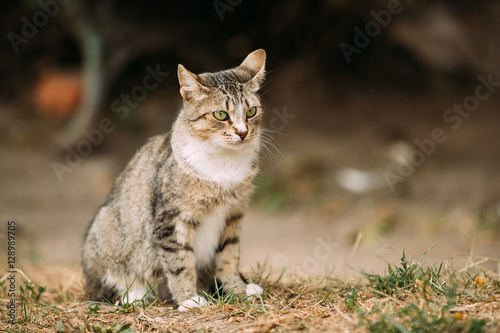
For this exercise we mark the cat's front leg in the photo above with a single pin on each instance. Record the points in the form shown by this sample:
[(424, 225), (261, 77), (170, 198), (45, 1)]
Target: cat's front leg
[(228, 260), (174, 242)]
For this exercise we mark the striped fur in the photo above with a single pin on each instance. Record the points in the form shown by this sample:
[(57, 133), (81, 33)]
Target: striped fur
[(172, 219)]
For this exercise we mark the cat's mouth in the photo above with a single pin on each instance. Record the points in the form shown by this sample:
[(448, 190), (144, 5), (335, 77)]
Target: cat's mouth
[(237, 143), (234, 144)]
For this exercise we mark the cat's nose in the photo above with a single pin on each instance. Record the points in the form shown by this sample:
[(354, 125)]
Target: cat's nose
[(242, 135)]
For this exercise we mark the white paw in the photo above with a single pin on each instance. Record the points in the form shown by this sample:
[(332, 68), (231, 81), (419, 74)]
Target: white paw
[(133, 295), (193, 302), (253, 289)]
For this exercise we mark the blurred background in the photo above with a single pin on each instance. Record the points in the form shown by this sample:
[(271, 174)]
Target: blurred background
[(384, 115)]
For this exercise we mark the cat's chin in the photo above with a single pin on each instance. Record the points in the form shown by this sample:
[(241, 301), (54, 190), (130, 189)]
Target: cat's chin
[(237, 145)]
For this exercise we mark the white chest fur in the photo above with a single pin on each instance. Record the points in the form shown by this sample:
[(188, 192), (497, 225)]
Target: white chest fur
[(208, 235), (222, 166)]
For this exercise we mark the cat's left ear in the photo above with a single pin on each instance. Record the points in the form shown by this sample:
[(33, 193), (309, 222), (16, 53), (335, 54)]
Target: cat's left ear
[(191, 88), (255, 64)]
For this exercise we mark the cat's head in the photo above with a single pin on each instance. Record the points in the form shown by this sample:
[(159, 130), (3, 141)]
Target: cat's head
[(223, 109)]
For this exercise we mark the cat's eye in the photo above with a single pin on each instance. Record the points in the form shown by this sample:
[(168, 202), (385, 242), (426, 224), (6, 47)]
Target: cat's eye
[(251, 112), (221, 115)]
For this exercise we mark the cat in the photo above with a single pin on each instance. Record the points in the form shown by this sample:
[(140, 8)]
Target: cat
[(171, 221)]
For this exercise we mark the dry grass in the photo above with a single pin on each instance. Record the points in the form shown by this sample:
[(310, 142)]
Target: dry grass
[(408, 298)]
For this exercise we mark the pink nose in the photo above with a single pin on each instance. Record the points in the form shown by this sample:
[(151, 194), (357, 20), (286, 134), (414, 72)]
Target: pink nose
[(242, 135)]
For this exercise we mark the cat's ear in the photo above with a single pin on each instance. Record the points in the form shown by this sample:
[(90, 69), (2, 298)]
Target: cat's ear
[(255, 64), (191, 88)]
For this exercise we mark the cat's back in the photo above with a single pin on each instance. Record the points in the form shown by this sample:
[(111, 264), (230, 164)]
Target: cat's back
[(143, 167), (128, 202)]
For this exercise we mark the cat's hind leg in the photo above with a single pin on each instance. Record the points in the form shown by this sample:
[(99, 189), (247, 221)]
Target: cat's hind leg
[(127, 292)]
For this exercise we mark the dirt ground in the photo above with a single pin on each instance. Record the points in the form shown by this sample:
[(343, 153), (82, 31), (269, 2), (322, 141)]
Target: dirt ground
[(301, 218)]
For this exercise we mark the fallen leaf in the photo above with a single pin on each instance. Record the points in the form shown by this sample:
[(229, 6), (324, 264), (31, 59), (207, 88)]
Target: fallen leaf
[(423, 287)]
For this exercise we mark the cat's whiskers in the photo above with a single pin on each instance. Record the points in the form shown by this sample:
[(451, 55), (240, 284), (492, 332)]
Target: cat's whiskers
[(266, 141), (269, 152), (267, 130), (271, 140)]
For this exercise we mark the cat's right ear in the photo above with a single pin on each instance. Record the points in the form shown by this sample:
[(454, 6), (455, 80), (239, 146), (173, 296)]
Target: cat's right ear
[(191, 88), (254, 64)]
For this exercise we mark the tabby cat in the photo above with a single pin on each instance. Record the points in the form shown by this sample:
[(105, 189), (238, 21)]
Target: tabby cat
[(172, 218)]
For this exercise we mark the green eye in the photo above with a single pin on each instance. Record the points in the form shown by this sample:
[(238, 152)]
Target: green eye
[(251, 112), (221, 115)]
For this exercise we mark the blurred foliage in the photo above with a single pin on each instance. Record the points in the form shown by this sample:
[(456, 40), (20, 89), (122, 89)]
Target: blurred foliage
[(287, 29), (488, 218), (298, 183)]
